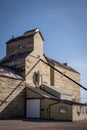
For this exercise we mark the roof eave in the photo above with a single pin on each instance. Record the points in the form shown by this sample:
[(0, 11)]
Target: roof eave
[(61, 65)]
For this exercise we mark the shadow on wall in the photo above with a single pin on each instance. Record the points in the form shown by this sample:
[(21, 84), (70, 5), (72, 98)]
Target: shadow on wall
[(15, 108)]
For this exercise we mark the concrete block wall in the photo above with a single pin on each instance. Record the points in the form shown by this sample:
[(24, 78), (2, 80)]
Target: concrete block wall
[(38, 44), (45, 108), (79, 116), (12, 98), (31, 94), (67, 85), (59, 80), (43, 69), (56, 115)]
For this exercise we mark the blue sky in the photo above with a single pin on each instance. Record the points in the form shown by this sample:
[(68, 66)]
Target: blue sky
[(63, 24)]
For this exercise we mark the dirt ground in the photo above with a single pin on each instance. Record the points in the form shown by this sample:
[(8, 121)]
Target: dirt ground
[(24, 124)]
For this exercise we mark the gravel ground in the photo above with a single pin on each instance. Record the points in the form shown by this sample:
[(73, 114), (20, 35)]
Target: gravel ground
[(41, 125)]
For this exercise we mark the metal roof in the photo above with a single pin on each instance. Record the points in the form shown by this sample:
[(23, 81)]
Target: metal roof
[(49, 96), (41, 92), (54, 62), (56, 89), (7, 72), (69, 102)]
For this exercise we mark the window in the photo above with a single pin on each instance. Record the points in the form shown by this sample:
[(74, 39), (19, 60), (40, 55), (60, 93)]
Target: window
[(11, 63), (78, 110), (63, 110), (84, 110)]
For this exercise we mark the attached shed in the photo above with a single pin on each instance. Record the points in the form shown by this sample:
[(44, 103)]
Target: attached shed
[(68, 110), (37, 103), (41, 104), (61, 111)]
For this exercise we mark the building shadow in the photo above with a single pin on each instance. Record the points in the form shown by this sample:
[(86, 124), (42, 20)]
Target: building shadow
[(15, 108)]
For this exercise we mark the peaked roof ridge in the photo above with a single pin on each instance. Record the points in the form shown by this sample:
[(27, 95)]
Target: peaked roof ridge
[(26, 34), (33, 30)]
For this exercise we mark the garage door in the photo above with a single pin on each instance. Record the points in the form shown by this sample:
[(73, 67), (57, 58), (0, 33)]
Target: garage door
[(33, 108)]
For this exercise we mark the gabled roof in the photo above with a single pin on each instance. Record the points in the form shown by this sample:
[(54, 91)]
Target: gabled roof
[(32, 32), (26, 34), (54, 62), (7, 72)]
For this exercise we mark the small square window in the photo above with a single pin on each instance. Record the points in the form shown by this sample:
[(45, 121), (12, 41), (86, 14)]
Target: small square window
[(63, 110)]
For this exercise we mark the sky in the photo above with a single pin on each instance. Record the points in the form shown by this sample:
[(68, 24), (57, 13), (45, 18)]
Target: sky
[(63, 24)]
